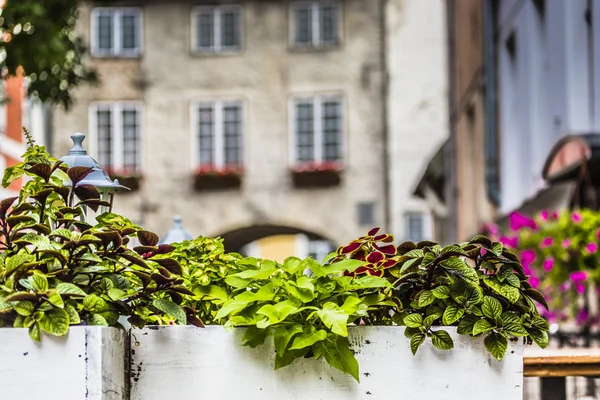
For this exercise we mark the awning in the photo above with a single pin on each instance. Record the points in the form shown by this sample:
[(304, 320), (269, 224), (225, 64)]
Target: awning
[(573, 155)]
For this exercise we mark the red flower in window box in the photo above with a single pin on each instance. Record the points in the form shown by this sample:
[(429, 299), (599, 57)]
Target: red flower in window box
[(210, 177), (127, 177), (316, 174)]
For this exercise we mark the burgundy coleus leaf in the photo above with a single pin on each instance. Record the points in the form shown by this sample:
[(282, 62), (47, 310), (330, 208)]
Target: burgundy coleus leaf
[(147, 238), (361, 270), (375, 257), (373, 231), (388, 263), (42, 170), (5, 204), (385, 238), (63, 191), (77, 174), (352, 247), (93, 204), (42, 195), (375, 272), (165, 248), (145, 251), (110, 237), (86, 192), (171, 265), (360, 255), (134, 259), (193, 320), (387, 249)]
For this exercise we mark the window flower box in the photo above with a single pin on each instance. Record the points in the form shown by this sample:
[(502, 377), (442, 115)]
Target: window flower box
[(316, 175), (209, 360), (208, 178), (128, 178), (88, 363)]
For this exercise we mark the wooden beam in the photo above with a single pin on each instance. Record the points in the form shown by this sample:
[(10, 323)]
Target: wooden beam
[(562, 363)]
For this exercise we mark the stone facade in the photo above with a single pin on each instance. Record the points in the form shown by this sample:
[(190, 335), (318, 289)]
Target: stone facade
[(266, 75)]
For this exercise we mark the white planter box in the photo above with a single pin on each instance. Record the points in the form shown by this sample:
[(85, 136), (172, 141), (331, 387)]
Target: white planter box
[(189, 363), (87, 364)]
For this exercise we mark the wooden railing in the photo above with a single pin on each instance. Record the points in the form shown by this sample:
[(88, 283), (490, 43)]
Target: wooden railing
[(553, 366)]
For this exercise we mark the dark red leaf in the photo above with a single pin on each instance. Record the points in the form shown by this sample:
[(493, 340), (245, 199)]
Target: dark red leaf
[(42, 195), (42, 170), (76, 174), (350, 248), (57, 164), (387, 249), (375, 257), (134, 259), (164, 272), (144, 277), (127, 231), (17, 219), (21, 208), (385, 238), (165, 248), (5, 204), (374, 272), (86, 192), (373, 231), (82, 226), (176, 297), (182, 290), (147, 238), (389, 263), (161, 280), (193, 320), (145, 250), (41, 228), (110, 237), (93, 203), (63, 191), (172, 265), (360, 270)]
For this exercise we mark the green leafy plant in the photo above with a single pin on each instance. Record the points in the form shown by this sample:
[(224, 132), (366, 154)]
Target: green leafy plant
[(205, 265), (57, 270), (477, 287), (307, 314)]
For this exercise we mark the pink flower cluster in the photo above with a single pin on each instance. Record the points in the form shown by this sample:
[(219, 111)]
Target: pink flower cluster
[(519, 221)]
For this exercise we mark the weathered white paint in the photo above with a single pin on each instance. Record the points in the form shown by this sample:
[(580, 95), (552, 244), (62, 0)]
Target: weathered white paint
[(188, 362), (417, 99), (87, 364)]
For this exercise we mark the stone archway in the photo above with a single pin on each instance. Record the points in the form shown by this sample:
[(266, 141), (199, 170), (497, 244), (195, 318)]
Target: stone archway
[(236, 239)]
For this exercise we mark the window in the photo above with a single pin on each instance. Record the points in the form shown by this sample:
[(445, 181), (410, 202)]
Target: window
[(366, 213), (315, 23), (116, 136), (216, 29), (318, 130), (415, 227), (219, 134), (116, 32)]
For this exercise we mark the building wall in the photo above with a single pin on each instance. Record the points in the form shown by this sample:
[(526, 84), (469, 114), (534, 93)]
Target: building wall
[(167, 79), (549, 69), (416, 54), (468, 116)]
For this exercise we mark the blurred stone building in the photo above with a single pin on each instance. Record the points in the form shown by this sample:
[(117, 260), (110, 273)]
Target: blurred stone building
[(255, 119)]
